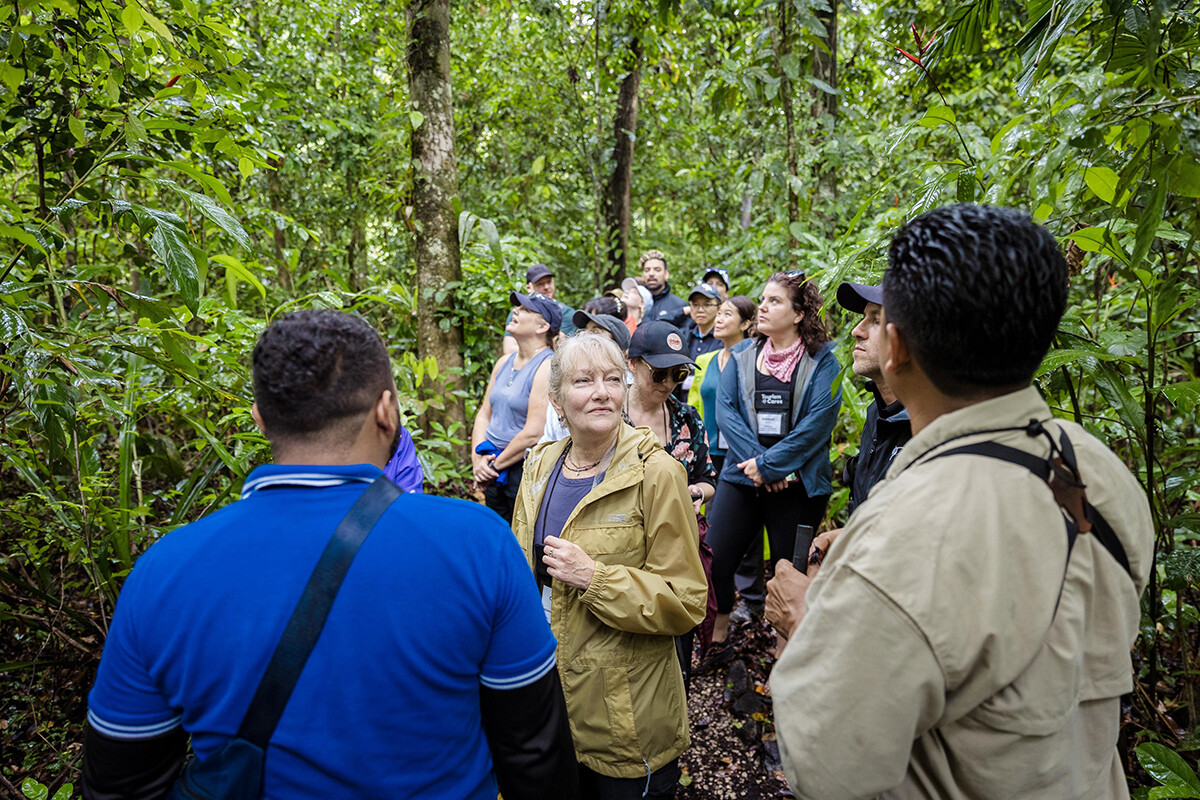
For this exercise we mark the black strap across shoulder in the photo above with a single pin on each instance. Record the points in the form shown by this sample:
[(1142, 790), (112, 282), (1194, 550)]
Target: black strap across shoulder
[(1046, 469), (307, 620)]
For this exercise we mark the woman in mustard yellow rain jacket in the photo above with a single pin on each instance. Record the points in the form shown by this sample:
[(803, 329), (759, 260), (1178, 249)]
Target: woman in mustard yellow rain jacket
[(605, 518)]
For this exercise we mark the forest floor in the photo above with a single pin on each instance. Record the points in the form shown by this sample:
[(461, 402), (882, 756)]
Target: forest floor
[(734, 754)]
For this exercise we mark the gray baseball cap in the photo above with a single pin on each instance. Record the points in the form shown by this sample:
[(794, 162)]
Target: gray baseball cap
[(616, 327)]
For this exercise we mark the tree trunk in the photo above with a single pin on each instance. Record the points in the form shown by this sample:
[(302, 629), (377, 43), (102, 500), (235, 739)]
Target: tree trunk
[(824, 68), (439, 332), (783, 47), (598, 241), (617, 195), (356, 250), (275, 196)]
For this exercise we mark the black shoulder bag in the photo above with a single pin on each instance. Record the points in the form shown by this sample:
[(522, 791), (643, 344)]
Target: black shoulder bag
[(236, 773)]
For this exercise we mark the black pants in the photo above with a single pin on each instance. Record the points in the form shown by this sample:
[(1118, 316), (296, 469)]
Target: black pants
[(739, 513), (503, 499), (594, 786), (749, 578)]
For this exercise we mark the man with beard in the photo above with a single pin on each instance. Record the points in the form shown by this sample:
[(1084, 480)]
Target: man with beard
[(667, 307), (886, 427)]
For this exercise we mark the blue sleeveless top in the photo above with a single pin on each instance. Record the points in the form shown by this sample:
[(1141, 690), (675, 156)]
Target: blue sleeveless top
[(510, 398)]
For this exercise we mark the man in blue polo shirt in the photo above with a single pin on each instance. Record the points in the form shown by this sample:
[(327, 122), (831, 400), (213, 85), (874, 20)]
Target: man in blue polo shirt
[(434, 675)]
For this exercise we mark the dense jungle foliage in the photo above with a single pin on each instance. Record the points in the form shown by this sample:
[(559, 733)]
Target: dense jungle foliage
[(176, 173)]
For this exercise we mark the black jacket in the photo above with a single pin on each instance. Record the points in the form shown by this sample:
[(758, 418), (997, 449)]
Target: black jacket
[(669, 308), (885, 431)]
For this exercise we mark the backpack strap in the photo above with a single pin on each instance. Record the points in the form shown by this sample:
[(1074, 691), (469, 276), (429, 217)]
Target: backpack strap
[(308, 619), (1061, 473)]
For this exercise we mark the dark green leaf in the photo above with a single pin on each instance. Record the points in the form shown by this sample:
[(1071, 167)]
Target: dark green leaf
[(1148, 225), (214, 211), (12, 325), (1115, 391), (1166, 766), (1137, 21), (966, 187), (172, 247)]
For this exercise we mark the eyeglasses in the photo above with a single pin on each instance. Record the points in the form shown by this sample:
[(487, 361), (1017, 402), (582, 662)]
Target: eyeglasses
[(704, 305), (677, 374)]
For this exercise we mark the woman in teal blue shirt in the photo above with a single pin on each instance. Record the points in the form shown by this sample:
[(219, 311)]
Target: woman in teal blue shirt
[(735, 321)]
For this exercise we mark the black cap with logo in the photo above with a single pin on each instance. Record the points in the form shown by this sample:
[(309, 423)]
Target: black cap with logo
[(659, 344), (705, 289)]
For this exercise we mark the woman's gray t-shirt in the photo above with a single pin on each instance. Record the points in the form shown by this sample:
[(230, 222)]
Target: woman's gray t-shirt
[(510, 398)]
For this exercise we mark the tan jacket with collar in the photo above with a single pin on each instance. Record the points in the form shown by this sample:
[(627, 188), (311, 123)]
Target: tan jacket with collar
[(616, 654), (950, 650)]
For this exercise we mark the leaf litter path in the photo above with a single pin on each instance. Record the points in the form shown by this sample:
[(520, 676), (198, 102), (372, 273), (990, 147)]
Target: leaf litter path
[(734, 754)]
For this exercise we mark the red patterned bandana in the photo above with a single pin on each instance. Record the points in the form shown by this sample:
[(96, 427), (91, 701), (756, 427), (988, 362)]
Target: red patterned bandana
[(782, 363)]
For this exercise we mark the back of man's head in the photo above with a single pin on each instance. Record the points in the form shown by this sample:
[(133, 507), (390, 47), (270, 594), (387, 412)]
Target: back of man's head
[(315, 372), (977, 292)]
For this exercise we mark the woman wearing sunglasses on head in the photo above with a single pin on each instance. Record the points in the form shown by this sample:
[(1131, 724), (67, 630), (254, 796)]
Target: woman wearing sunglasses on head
[(776, 409), (659, 363)]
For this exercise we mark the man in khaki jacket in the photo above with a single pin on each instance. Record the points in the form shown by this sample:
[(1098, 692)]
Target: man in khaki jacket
[(959, 642)]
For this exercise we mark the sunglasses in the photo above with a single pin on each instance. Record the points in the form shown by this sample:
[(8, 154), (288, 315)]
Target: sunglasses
[(678, 374), (795, 273)]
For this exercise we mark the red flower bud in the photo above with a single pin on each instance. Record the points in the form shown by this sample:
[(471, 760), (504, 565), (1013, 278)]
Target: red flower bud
[(172, 82)]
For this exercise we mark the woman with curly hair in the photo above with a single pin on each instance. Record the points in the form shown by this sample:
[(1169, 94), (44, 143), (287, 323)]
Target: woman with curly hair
[(776, 409)]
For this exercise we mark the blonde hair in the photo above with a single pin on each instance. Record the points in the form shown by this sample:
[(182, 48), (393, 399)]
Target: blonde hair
[(584, 346)]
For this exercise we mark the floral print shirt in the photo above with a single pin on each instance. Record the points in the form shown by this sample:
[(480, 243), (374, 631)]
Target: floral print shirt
[(689, 442)]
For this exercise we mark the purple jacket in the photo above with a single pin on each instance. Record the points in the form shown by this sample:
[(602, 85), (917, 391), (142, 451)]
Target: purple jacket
[(404, 469)]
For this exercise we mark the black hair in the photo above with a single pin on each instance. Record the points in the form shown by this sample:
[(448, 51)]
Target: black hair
[(806, 300), (316, 368), (977, 292), (610, 306), (747, 310)]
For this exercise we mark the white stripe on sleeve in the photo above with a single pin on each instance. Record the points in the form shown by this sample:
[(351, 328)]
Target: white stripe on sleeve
[(517, 681)]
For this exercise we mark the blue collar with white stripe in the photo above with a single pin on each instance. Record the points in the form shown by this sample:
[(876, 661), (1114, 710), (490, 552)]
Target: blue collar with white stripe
[(316, 476)]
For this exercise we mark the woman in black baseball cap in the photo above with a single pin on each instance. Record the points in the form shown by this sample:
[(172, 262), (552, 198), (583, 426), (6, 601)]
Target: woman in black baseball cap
[(659, 362)]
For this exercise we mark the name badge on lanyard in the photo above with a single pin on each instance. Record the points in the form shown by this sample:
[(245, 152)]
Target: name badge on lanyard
[(771, 408)]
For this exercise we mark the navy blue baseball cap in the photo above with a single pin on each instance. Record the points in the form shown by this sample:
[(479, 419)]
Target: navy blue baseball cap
[(659, 344), (855, 296), (540, 304), (705, 290)]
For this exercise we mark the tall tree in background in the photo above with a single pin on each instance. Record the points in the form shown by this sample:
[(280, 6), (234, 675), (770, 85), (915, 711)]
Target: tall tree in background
[(439, 332), (786, 60), (618, 187), (825, 81)]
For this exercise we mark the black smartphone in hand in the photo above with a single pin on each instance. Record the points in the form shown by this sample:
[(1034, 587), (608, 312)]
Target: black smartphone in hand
[(804, 537)]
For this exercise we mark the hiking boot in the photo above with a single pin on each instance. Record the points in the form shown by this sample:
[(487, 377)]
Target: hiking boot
[(746, 613), (719, 654)]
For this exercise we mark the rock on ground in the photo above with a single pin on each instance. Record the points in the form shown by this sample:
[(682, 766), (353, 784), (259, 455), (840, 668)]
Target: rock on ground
[(734, 756)]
